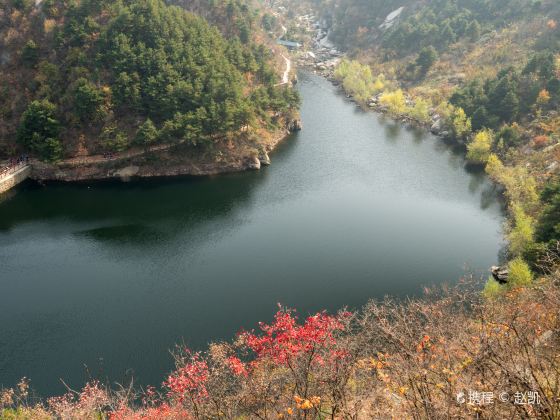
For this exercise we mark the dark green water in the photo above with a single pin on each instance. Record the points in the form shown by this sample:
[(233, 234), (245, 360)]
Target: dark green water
[(112, 276)]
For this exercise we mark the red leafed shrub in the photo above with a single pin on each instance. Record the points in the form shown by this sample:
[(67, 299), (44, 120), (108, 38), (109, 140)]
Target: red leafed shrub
[(284, 340), (189, 380), (237, 366), (540, 141)]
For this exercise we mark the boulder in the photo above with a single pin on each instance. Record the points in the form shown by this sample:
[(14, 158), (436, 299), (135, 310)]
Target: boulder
[(264, 159), (295, 125), (125, 174), (254, 163), (436, 127), (500, 274)]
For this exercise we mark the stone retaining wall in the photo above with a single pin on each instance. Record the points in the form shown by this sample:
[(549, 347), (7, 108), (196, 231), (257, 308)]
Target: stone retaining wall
[(15, 178)]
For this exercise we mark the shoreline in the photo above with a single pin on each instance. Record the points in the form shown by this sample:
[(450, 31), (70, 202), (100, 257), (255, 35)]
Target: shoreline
[(127, 169), (403, 119)]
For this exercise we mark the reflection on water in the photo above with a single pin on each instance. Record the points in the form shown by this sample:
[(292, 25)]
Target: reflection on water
[(112, 275)]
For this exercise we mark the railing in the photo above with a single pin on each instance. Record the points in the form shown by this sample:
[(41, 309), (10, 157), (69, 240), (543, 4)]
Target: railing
[(13, 167)]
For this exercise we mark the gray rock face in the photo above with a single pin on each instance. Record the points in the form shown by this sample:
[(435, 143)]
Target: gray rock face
[(254, 163), (295, 125), (264, 159), (436, 127), (500, 274), (127, 173)]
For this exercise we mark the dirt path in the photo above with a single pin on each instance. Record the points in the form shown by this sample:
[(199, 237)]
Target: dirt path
[(286, 75), (93, 159)]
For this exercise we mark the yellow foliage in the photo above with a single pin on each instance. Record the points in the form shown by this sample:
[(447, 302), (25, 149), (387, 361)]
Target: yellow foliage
[(544, 97), (394, 101), (49, 25), (478, 151), (494, 166), (420, 111), (521, 187), (521, 234), (378, 85), (519, 273), (460, 123)]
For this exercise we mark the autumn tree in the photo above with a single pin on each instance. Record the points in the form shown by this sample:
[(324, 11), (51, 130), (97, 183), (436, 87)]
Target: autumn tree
[(478, 150)]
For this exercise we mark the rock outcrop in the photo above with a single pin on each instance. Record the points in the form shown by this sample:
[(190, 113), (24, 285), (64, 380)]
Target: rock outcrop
[(295, 125), (500, 274)]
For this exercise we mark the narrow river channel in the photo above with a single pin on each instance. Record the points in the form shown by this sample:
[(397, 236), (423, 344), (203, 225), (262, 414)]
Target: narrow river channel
[(111, 276)]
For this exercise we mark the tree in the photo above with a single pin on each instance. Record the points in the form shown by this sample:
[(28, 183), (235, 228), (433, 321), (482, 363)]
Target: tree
[(39, 129), (113, 139), (30, 54), (509, 107), (426, 59), (478, 151), (473, 31), (480, 118), (447, 35), (510, 135), (548, 227), (147, 133), (521, 234), (421, 110), (88, 100), (394, 101), (460, 124), (519, 273)]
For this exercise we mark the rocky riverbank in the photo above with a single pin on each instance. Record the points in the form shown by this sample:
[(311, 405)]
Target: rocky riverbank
[(324, 62), (322, 58)]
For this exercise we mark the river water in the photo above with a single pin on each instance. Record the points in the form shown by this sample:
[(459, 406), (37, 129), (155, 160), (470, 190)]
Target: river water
[(104, 279)]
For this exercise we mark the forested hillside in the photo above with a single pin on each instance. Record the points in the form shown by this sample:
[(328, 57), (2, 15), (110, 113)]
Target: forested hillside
[(358, 23), (482, 74), (95, 76)]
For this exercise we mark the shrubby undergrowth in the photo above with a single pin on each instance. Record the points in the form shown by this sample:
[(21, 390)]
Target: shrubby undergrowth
[(420, 358)]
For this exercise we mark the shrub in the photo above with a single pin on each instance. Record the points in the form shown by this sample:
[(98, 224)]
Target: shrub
[(478, 151), (394, 101), (420, 111), (403, 358), (521, 235), (460, 124), (519, 273), (520, 186), (492, 289), (510, 135), (540, 141)]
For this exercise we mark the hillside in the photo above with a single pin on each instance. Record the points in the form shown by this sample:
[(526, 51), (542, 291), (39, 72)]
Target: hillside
[(450, 354), (483, 75), (98, 77)]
